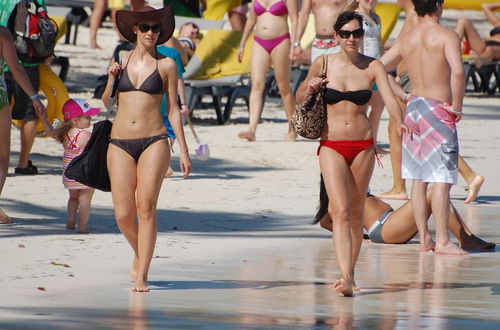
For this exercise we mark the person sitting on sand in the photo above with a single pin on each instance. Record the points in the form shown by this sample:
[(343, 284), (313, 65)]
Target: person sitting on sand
[(389, 226), (74, 138), (482, 50)]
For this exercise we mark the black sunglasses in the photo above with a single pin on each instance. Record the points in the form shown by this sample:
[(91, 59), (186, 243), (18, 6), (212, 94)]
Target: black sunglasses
[(143, 27), (346, 34)]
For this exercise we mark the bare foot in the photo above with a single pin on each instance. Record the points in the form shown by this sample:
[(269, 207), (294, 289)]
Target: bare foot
[(355, 286), (474, 243), (449, 248), (135, 267), (140, 285), (83, 231), (474, 188), (4, 218), (477, 59), (427, 244), (291, 137), (394, 194), (94, 46), (170, 172), (247, 135), (70, 225), (344, 287)]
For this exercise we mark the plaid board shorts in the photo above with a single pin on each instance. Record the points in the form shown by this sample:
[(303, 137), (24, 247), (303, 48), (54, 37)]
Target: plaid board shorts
[(430, 154)]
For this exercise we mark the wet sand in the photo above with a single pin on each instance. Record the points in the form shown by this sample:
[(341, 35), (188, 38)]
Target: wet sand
[(235, 246)]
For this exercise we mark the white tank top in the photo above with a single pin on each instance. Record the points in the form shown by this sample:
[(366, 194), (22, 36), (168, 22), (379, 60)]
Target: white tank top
[(371, 43)]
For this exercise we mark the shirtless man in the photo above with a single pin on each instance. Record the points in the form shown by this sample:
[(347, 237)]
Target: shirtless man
[(398, 191), (430, 154), (325, 14)]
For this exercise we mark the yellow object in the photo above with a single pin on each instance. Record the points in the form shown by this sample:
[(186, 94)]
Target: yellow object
[(218, 54), (216, 9), (56, 93), (389, 14), (116, 4), (466, 4), (61, 25)]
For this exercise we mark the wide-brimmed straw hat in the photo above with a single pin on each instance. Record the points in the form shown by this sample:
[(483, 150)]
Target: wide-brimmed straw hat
[(126, 19)]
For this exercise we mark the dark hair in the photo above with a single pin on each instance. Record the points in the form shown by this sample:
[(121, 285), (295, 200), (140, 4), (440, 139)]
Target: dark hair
[(323, 202), (426, 7), (345, 18)]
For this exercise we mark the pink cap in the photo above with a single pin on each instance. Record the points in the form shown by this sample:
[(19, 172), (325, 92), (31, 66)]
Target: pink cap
[(78, 107)]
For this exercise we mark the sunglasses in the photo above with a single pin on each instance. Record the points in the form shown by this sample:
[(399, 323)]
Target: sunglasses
[(346, 34), (143, 27)]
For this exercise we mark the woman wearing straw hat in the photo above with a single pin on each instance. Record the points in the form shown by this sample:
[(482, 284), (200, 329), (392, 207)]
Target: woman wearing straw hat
[(139, 152)]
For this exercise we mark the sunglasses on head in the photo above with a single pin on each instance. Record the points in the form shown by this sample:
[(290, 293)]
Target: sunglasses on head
[(143, 27), (346, 34)]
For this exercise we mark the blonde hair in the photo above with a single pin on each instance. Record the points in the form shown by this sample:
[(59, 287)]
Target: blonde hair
[(352, 5), (63, 129)]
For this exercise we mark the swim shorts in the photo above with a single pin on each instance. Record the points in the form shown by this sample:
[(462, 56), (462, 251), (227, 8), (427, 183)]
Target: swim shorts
[(23, 105), (324, 46), (430, 154)]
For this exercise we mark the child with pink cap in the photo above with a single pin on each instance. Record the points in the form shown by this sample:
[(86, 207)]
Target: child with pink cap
[(74, 137)]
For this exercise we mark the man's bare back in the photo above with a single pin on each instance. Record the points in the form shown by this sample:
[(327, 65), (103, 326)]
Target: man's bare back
[(325, 14), (430, 51)]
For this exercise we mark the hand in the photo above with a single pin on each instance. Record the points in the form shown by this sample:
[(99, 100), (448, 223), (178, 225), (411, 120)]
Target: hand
[(314, 85), (114, 69), (298, 53), (41, 112), (184, 110), (402, 128), (449, 108), (185, 163), (241, 51)]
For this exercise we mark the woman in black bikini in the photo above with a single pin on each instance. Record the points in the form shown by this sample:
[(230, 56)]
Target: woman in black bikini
[(484, 50), (386, 225), (139, 152), (346, 152)]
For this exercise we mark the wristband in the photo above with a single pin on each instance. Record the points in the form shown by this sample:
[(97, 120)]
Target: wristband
[(405, 96), (296, 44), (456, 112), (183, 104), (35, 96)]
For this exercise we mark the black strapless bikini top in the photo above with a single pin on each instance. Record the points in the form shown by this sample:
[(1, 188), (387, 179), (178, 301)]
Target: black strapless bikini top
[(151, 85), (360, 97), (495, 30)]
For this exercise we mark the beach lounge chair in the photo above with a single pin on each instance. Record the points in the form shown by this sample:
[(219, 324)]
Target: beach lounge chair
[(482, 77), (215, 71)]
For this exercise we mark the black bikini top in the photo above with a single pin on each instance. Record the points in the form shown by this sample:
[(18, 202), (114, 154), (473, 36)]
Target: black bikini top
[(495, 30), (151, 85), (360, 97)]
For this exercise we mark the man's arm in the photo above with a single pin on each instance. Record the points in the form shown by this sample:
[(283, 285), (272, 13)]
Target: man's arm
[(392, 57), (453, 56), (303, 19)]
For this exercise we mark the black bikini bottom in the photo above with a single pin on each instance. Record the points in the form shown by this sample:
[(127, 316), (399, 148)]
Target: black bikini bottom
[(492, 43), (135, 147)]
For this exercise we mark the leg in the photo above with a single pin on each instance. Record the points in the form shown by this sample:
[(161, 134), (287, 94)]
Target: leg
[(398, 190), (282, 70), (464, 28), (420, 209), (441, 211), (151, 169), (72, 208), (28, 130), (361, 173), (259, 65), (85, 200), (95, 21), (474, 180), (335, 174), (123, 176), (5, 122)]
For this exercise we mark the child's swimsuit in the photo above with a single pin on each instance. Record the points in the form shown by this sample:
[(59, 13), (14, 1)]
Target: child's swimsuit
[(72, 150)]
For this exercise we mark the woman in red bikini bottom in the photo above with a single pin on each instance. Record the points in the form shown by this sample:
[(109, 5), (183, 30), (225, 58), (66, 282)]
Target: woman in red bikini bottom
[(346, 151), (272, 45)]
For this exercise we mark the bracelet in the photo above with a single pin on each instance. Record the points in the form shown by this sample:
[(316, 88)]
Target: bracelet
[(183, 104), (35, 96), (405, 96), (456, 112), (296, 44)]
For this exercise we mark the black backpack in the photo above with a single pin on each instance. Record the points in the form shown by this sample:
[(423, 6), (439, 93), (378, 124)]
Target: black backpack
[(33, 31)]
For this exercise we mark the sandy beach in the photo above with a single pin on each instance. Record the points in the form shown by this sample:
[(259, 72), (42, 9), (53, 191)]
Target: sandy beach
[(235, 246)]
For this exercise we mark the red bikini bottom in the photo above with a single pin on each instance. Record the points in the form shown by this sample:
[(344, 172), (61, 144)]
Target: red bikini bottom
[(348, 149)]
